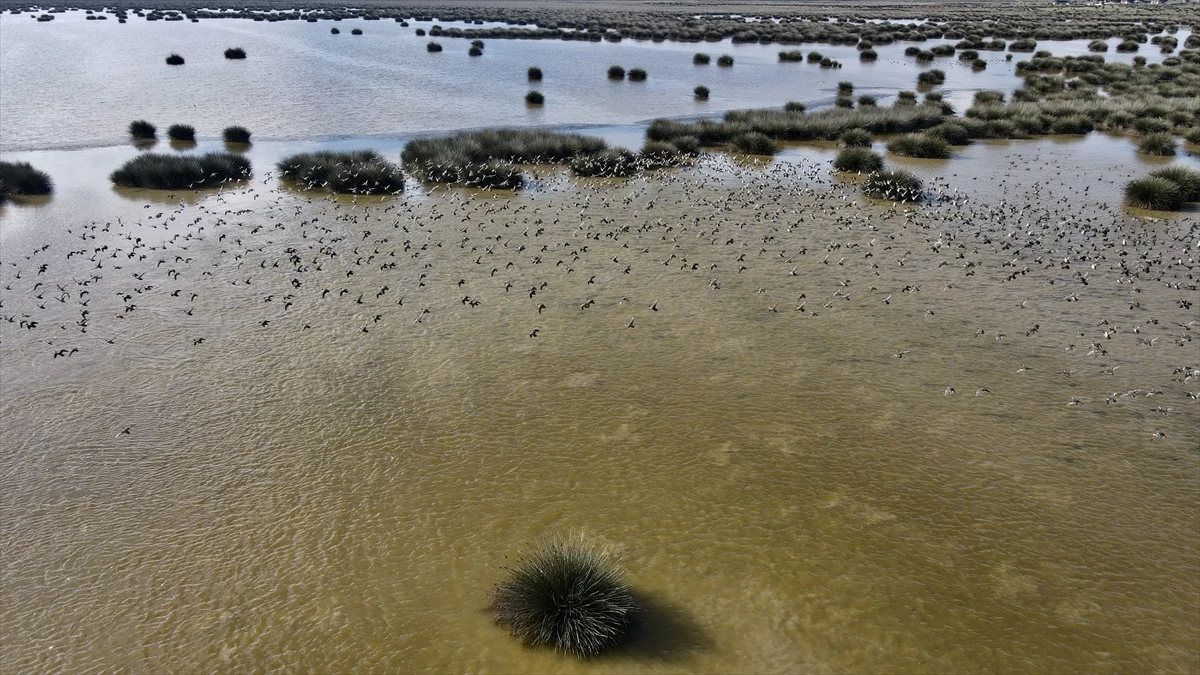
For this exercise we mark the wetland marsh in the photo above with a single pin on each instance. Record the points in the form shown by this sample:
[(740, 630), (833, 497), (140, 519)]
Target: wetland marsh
[(260, 427)]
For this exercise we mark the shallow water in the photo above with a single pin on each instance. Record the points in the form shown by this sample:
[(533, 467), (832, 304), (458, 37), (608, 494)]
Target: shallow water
[(788, 490), (299, 82)]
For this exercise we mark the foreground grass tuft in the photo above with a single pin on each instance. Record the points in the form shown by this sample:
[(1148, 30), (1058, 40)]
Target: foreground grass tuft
[(1187, 179), (20, 178), (176, 172), (898, 186), (1154, 193), (857, 160), (1162, 145), (566, 595), (362, 172)]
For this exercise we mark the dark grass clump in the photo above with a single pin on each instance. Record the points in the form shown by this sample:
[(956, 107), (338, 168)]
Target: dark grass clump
[(701, 93), (433, 47), (236, 134), (1162, 145), (753, 143), (923, 145), (474, 51), (931, 77), (176, 172), (725, 60), (791, 56), (868, 55), (20, 178), (1187, 179), (701, 59), (566, 595), (687, 145), (361, 172), (845, 88), (486, 158), (1154, 194), (614, 163), (952, 132), (356, 31), (181, 132), (856, 138), (235, 53), (794, 107), (334, 31), (857, 160), (657, 154), (174, 60), (535, 98), (616, 73), (637, 75), (1072, 124), (867, 99), (142, 130), (534, 74), (898, 186)]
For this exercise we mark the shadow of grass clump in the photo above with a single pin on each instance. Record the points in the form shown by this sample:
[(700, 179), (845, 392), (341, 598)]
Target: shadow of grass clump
[(21, 179), (362, 172), (173, 172)]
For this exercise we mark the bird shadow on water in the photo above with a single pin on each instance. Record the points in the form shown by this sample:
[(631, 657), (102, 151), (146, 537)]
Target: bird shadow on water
[(661, 632)]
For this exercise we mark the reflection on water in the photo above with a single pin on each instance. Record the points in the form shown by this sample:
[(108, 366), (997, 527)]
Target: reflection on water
[(824, 433), (299, 81)]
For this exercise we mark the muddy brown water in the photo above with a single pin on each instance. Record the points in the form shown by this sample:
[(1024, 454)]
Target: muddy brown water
[(788, 490)]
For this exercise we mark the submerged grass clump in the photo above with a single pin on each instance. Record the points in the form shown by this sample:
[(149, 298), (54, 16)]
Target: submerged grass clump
[(362, 172), (1188, 180), (923, 145), (20, 178), (899, 186), (181, 132), (857, 160), (236, 134), (1154, 193), (566, 595), (176, 172), (1162, 145), (141, 129)]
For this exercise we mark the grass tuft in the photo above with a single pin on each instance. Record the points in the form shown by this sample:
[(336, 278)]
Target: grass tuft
[(701, 93), (1154, 193), (725, 60), (181, 132), (1162, 145), (566, 595), (1187, 179), (235, 53), (857, 160), (141, 129), (753, 143), (20, 178), (701, 59), (899, 186), (177, 172), (433, 47), (535, 98), (923, 145), (236, 134), (637, 75), (534, 74), (362, 172), (616, 73), (856, 138), (174, 60)]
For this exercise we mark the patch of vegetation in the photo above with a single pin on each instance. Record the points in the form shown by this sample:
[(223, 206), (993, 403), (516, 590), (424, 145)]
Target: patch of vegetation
[(474, 51), (174, 60), (637, 75), (611, 163), (1154, 194), (181, 132), (356, 31), (857, 160), (486, 158), (868, 55), (725, 60), (1188, 180), (952, 132), (235, 53), (236, 134), (433, 47), (1162, 145), (535, 98), (566, 595), (142, 130), (753, 143), (856, 138), (178, 172), (701, 59), (931, 77), (362, 172), (867, 99), (701, 93), (898, 186), (923, 145), (534, 74), (792, 56), (20, 178), (616, 73), (334, 31)]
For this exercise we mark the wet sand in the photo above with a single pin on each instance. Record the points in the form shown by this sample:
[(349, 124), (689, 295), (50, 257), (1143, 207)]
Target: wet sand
[(826, 434)]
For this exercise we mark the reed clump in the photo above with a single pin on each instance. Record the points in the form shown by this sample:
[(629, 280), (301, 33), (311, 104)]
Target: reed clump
[(896, 185), (235, 53), (142, 130), (857, 160), (177, 172), (21, 178), (1162, 145), (1154, 193), (486, 158), (181, 132), (567, 595), (236, 134), (923, 145), (362, 172), (174, 60)]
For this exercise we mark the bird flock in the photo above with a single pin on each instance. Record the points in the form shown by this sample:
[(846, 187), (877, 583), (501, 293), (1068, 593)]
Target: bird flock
[(1097, 294)]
